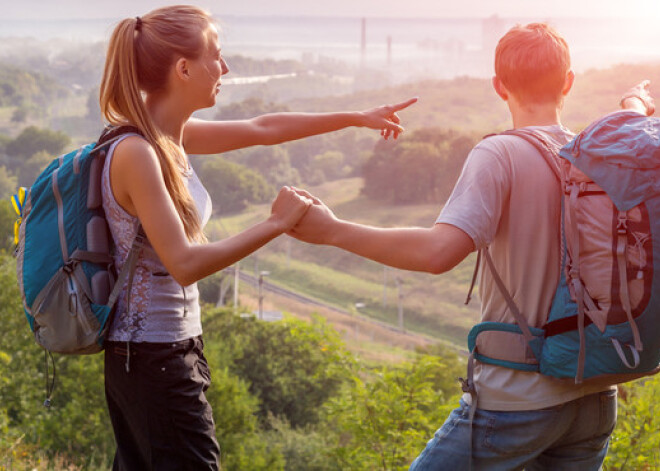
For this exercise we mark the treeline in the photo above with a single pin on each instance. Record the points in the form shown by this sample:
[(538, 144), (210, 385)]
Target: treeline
[(285, 395), (25, 156), (421, 168), (27, 92), (418, 168)]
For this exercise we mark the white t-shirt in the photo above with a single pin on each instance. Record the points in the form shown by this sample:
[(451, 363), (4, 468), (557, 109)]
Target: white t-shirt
[(507, 198)]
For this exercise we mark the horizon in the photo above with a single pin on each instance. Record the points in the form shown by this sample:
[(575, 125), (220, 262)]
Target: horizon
[(641, 10)]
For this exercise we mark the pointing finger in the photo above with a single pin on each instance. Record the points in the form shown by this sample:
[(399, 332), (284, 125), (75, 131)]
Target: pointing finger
[(403, 104)]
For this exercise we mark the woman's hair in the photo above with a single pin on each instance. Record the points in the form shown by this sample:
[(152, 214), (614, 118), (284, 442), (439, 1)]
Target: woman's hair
[(140, 54)]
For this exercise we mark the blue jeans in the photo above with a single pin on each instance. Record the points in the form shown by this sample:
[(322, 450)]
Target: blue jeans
[(570, 436)]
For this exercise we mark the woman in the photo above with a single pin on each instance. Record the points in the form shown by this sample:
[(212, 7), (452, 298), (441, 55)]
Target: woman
[(160, 68)]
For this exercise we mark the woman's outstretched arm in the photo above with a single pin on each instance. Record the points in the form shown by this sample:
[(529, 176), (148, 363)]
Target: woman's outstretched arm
[(214, 137)]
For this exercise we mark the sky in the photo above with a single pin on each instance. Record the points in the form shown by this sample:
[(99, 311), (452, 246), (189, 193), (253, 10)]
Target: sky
[(544, 9)]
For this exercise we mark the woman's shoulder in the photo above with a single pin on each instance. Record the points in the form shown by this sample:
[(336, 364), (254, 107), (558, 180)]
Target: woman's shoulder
[(135, 154)]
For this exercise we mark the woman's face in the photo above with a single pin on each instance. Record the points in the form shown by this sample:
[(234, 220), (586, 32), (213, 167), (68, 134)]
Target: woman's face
[(208, 69)]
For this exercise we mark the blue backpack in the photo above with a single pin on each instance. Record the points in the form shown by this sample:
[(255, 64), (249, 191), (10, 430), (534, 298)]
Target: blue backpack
[(604, 322), (65, 267)]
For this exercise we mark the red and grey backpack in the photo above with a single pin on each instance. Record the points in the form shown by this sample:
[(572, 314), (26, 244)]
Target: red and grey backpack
[(604, 322)]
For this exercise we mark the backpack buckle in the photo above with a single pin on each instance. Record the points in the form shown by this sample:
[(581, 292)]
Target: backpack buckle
[(68, 267), (622, 224), (467, 386)]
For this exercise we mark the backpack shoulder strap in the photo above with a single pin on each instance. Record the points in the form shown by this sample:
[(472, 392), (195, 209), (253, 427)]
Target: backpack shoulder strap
[(111, 133), (550, 152), (547, 148)]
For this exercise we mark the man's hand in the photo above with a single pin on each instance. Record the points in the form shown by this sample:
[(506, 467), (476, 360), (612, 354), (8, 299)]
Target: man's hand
[(289, 206), (317, 226), (386, 119), (639, 98)]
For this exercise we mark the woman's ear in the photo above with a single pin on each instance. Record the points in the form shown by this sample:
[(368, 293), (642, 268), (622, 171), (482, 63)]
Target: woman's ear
[(181, 68), (500, 89)]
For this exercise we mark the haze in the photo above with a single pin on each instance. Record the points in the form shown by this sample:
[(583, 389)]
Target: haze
[(73, 9), (414, 38)]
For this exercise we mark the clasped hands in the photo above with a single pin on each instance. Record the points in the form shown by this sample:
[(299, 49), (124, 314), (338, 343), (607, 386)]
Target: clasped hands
[(302, 215)]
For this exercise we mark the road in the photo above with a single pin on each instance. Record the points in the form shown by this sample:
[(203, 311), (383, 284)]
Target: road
[(252, 280)]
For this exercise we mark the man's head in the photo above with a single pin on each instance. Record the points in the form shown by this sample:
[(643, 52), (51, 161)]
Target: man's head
[(533, 64)]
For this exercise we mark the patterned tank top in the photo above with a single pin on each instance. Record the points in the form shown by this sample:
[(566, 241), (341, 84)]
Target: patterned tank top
[(161, 310)]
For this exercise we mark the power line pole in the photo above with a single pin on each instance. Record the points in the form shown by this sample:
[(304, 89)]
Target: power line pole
[(237, 270), (399, 282), (261, 296)]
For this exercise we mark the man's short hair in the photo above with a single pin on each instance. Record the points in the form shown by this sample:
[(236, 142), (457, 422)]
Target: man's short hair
[(532, 61)]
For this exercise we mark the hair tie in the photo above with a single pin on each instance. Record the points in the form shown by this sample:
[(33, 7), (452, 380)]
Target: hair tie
[(138, 23)]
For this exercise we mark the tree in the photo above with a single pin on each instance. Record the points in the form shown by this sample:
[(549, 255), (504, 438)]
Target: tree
[(8, 183), (7, 219), (292, 367), (421, 168), (93, 106), (635, 442), (331, 164), (233, 186), (273, 163), (32, 167), (19, 115), (32, 140), (249, 108), (387, 415)]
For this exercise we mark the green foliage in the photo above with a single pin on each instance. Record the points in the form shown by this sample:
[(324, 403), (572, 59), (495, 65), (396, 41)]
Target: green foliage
[(31, 141), (20, 115), (421, 168), (352, 143), (306, 448), (7, 218), (233, 186), (635, 442), (234, 409), (331, 165), (274, 164), (387, 416), (21, 88), (33, 166), (291, 366), (249, 108), (8, 186)]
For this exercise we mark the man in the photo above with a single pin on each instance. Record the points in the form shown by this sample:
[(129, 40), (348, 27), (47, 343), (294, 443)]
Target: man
[(507, 199)]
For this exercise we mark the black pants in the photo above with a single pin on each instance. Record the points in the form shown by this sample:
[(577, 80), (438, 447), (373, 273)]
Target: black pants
[(159, 412)]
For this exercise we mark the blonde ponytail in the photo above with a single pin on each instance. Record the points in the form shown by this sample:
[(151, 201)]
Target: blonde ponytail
[(140, 52)]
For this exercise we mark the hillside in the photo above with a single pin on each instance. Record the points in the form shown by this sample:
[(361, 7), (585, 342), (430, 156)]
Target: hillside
[(432, 305), (470, 104)]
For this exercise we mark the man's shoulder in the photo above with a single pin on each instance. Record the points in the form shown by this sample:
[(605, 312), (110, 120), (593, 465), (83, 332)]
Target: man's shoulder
[(510, 146)]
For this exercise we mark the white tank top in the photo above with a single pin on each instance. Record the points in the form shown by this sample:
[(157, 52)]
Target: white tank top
[(161, 310)]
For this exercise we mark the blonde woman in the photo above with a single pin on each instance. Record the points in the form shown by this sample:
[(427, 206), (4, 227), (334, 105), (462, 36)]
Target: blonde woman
[(159, 69)]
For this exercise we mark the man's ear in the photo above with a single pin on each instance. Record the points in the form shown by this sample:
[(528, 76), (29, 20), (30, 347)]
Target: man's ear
[(568, 83), (500, 89), (181, 69)]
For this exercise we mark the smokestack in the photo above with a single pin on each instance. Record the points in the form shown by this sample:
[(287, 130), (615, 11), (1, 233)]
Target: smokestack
[(389, 51), (363, 43)]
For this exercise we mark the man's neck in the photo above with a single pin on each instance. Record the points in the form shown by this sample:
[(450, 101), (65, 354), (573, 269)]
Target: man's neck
[(546, 114)]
